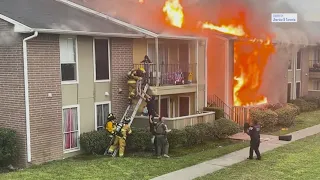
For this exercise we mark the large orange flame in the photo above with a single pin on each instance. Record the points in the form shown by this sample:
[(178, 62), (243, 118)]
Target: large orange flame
[(250, 55), (174, 12), (250, 58)]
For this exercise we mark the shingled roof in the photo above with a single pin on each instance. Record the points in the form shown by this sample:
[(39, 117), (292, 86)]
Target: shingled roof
[(56, 17)]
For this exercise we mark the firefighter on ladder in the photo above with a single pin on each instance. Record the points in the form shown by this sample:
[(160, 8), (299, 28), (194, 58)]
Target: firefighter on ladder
[(135, 80), (121, 136)]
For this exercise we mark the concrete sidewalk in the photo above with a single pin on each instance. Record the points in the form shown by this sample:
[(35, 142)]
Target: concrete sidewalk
[(211, 166)]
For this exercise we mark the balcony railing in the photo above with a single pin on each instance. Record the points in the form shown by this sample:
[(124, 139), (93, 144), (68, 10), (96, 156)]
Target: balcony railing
[(169, 74), (314, 65)]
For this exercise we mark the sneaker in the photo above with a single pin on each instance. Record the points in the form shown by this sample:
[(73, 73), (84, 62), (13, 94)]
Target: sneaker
[(258, 158), (166, 156), (250, 158)]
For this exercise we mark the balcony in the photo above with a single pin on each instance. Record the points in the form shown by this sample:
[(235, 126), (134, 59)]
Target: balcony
[(314, 69), (172, 78)]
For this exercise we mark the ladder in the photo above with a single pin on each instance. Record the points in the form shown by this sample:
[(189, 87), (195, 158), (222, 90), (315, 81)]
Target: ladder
[(131, 112)]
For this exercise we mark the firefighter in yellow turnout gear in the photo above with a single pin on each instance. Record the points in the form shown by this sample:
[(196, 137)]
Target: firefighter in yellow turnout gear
[(135, 77), (111, 124), (121, 136)]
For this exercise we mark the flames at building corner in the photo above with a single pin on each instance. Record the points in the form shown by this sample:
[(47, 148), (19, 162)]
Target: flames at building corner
[(250, 55)]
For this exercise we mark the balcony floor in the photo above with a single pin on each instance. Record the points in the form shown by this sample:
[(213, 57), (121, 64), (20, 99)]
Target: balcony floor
[(173, 89)]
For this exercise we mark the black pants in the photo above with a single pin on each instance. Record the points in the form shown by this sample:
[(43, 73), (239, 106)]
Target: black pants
[(254, 146)]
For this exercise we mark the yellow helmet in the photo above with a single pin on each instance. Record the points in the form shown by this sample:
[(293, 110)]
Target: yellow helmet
[(142, 69)]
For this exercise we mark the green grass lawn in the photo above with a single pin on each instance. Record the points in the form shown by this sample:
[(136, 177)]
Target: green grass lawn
[(135, 166), (299, 160), (304, 120)]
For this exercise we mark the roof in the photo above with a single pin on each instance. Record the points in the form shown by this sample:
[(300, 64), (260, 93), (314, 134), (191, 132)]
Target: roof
[(52, 16), (147, 16)]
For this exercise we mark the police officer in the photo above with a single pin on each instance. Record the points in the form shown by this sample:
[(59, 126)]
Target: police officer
[(254, 133), (161, 130), (121, 136)]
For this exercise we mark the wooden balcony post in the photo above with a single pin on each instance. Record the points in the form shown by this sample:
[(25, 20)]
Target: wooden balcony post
[(197, 74), (157, 61)]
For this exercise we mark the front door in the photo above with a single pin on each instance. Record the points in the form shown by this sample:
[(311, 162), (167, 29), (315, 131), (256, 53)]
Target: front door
[(184, 106)]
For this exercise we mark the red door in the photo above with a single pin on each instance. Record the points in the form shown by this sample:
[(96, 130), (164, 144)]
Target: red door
[(184, 106)]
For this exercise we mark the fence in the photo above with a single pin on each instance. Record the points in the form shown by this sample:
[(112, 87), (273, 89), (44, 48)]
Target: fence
[(178, 122), (238, 114)]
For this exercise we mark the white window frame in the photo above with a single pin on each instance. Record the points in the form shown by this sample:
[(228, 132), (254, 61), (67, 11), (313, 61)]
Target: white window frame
[(78, 113), (179, 104), (94, 60), (95, 111), (77, 60), (300, 60)]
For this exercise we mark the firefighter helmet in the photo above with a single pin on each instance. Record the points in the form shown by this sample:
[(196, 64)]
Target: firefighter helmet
[(111, 117), (126, 120), (142, 69)]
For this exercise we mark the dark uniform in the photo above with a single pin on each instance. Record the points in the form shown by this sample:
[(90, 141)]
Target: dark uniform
[(254, 133), (161, 138)]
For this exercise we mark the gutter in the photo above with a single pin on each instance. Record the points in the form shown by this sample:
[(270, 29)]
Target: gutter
[(197, 60), (58, 31), (26, 92)]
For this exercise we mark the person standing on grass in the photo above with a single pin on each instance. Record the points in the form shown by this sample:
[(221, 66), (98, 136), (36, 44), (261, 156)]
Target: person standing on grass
[(161, 130), (254, 133)]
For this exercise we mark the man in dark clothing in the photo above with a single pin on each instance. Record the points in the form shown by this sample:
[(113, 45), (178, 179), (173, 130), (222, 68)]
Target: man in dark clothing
[(254, 133), (151, 106), (161, 138)]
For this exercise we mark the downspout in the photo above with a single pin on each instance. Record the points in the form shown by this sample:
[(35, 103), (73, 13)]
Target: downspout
[(294, 59), (206, 74), (197, 74), (26, 92)]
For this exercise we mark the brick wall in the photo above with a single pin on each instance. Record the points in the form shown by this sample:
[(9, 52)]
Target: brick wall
[(12, 106), (121, 63), (45, 111)]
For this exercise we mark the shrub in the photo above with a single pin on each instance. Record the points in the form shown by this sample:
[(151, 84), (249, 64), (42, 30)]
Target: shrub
[(286, 115), (219, 112), (223, 128), (8, 146), (94, 142), (304, 106), (314, 100), (177, 138), (266, 118), (139, 140), (274, 107), (192, 135), (204, 130), (295, 108)]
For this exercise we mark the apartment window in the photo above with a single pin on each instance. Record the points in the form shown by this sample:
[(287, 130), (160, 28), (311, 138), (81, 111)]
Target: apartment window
[(298, 89), (71, 128), (102, 111), (289, 92), (299, 60), (102, 60), (316, 84), (290, 65), (68, 58)]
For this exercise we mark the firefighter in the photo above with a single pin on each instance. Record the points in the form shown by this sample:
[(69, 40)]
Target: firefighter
[(254, 132), (135, 77), (121, 136), (111, 124)]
